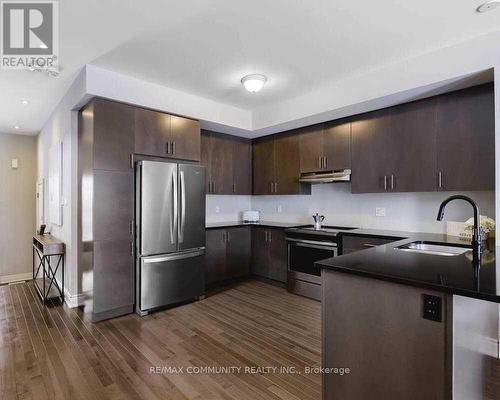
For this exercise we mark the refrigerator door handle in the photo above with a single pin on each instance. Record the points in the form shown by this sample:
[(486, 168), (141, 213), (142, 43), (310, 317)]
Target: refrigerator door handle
[(173, 221), (174, 256), (182, 221)]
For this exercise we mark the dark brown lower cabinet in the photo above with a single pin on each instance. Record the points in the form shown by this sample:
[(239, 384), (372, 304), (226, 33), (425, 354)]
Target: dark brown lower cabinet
[(227, 255), (269, 254), (376, 329)]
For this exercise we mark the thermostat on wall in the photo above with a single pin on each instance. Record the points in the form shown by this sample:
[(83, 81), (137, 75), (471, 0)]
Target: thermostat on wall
[(14, 164)]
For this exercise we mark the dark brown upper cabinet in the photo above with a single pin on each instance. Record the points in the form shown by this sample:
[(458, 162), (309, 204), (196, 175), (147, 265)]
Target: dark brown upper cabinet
[(263, 166), (466, 139), (440, 143), (113, 134), (276, 165), (229, 163), (311, 148), (337, 145), (370, 155), (185, 137), (325, 147), (163, 135), (393, 150)]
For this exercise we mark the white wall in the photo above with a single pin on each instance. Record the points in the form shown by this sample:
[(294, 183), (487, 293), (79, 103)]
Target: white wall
[(63, 126), (17, 206), (227, 208), (414, 212)]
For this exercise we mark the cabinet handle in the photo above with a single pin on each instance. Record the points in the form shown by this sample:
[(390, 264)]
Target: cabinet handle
[(440, 180), (270, 237), (173, 147), (325, 162), (227, 237), (131, 248), (167, 147), (234, 187), (275, 187), (385, 183), (271, 185), (224, 236), (265, 236), (319, 162), (214, 187), (393, 182), (131, 227)]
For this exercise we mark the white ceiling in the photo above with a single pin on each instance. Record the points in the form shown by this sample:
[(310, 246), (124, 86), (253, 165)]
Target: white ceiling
[(204, 47)]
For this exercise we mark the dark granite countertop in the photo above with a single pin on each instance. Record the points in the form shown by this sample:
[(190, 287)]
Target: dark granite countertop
[(267, 224), (449, 274)]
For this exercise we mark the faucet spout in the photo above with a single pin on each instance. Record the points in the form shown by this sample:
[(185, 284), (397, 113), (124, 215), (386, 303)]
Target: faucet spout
[(476, 233)]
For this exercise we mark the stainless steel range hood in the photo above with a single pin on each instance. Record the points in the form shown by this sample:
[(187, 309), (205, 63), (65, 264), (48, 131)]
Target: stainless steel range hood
[(326, 177)]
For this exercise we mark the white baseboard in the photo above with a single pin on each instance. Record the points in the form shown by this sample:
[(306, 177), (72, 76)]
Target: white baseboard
[(71, 300), (15, 278)]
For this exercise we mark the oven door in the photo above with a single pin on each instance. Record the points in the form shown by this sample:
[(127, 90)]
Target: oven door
[(302, 254)]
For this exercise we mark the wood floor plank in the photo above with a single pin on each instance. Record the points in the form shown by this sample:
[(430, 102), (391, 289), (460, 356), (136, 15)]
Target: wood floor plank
[(54, 352)]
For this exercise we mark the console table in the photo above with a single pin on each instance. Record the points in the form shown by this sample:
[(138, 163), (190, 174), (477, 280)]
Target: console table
[(45, 247)]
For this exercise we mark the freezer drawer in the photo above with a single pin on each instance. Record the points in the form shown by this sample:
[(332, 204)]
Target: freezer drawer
[(169, 279)]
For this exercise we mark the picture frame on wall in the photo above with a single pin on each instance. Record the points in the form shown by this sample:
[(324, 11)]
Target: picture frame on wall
[(55, 184)]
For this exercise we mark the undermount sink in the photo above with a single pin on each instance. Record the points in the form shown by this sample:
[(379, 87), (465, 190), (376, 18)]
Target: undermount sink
[(434, 248)]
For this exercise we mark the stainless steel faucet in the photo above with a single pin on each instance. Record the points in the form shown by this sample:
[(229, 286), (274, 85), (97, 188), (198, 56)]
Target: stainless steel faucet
[(476, 233)]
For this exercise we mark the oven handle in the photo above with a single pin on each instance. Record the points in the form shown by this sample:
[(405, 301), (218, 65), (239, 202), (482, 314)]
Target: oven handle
[(312, 243)]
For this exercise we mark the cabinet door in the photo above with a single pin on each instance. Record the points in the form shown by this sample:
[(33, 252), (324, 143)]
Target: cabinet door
[(311, 144), (113, 270), (215, 256), (466, 139), (113, 135), (206, 157), (278, 255), (287, 164), (113, 206), (260, 252), (238, 252), (152, 132), (242, 166), (412, 146), (337, 145), (185, 138), (371, 141), (221, 165), (263, 166)]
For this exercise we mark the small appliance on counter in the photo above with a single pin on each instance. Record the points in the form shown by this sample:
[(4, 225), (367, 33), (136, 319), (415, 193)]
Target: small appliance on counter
[(251, 217), (318, 220)]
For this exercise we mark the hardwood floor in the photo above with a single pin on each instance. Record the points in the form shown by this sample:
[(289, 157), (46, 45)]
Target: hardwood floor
[(56, 353)]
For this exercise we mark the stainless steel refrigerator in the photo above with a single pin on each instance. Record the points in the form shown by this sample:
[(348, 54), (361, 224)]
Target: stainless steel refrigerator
[(170, 222)]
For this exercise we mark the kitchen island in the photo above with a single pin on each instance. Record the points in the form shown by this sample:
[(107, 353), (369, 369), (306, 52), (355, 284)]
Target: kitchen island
[(407, 324)]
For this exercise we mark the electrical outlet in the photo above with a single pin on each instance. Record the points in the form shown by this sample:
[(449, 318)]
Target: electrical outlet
[(217, 209), (380, 212), (279, 208)]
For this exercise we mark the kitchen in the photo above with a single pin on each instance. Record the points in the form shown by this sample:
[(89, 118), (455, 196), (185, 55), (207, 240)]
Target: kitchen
[(256, 238)]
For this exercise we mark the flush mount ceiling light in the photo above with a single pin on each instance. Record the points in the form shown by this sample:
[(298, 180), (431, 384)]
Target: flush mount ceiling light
[(17, 127), (488, 6), (254, 83), (24, 102)]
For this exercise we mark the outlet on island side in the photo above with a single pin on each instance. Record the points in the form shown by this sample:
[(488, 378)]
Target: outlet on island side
[(380, 212), (279, 208), (217, 209)]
